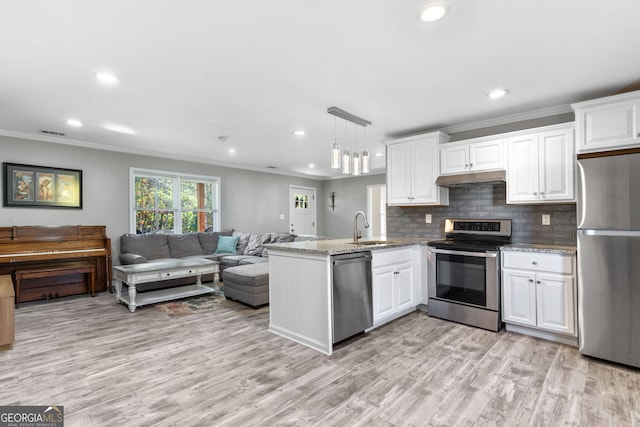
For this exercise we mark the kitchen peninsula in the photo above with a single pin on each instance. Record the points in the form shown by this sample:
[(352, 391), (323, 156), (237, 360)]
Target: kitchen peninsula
[(301, 285)]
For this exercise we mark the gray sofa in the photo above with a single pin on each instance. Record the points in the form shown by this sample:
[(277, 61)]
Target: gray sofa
[(247, 270)]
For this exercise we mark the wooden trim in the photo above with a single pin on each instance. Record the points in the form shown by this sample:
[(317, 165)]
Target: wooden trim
[(609, 153)]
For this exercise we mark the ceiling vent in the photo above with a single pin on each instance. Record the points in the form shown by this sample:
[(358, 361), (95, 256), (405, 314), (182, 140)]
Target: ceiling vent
[(52, 132), (272, 167)]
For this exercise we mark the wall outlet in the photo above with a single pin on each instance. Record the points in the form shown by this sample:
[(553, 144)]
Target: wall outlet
[(282, 217), (427, 218), (546, 219)]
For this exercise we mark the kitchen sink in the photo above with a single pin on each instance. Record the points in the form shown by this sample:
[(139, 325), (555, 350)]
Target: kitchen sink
[(372, 242)]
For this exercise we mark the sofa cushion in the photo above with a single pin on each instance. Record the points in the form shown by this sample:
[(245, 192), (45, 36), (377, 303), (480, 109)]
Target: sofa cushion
[(254, 247), (243, 241), (251, 274), (150, 246), (227, 244), (129, 258), (182, 245), (209, 241), (253, 260), (234, 260)]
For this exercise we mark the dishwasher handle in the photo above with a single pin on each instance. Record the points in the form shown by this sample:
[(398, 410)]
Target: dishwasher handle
[(350, 258)]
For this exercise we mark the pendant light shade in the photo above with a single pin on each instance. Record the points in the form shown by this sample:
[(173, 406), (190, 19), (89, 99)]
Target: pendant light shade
[(336, 159), (346, 161), (365, 161), (357, 167)]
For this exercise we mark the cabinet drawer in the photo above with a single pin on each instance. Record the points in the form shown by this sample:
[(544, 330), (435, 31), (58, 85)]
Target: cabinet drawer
[(391, 256), (180, 273), (536, 261)]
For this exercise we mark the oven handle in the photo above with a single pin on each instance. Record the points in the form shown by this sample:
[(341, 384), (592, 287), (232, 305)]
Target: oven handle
[(463, 253)]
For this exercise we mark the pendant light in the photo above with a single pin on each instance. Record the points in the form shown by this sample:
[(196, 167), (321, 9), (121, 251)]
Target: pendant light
[(365, 154), (353, 163), (336, 158)]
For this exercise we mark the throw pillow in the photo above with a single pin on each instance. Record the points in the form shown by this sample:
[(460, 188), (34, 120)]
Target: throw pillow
[(227, 244), (254, 247)]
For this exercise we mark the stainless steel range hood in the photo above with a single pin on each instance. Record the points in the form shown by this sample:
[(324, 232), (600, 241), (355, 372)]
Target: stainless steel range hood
[(468, 179)]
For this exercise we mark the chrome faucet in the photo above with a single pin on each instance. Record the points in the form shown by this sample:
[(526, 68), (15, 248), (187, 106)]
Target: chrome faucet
[(356, 232)]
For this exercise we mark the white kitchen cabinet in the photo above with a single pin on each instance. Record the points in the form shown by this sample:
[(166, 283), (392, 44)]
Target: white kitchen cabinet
[(394, 282), (539, 294), (412, 169), (608, 123), (471, 156), (541, 166)]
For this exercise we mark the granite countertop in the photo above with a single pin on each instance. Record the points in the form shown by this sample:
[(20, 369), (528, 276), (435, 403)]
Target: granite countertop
[(532, 247), (345, 246)]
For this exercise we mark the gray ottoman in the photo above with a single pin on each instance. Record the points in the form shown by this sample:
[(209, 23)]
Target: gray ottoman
[(248, 284)]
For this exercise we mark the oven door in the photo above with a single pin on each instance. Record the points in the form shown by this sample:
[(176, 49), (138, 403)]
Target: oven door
[(468, 278)]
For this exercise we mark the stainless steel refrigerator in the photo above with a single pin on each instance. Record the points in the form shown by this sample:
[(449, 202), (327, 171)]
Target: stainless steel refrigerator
[(609, 257)]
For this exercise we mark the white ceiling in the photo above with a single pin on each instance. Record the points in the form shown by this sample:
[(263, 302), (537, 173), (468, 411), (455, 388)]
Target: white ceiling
[(255, 70)]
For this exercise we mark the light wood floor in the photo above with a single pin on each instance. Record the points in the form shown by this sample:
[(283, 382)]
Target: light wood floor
[(109, 367)]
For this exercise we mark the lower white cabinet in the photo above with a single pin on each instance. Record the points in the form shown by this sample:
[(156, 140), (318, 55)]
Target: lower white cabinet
[(394, 284), (539, 294)]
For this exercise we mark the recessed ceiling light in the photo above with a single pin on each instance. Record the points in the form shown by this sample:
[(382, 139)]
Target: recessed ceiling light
[(232, 151), (433, 12), (497, 93), (106, 78), (120, 129), (312, 166), (74, 122), (299, 132), (379, 154)]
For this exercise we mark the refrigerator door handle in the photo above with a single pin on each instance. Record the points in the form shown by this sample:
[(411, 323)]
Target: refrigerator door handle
[(614, 233)]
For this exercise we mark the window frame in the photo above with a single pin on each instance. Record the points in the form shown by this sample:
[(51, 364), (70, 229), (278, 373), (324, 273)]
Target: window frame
[(177, 210)]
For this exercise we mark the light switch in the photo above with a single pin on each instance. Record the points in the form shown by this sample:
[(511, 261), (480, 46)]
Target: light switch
[(546, 219), (427, 218), (282, 217)]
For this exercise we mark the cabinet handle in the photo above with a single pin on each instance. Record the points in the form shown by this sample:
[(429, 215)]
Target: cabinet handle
[(538, 282), (542, 193), (466, 165), (530, 280), (470, 165), (535, 193), (534, 263)]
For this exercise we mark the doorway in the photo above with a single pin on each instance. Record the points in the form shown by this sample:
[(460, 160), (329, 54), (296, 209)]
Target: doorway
[(377, 211), (302, 210)]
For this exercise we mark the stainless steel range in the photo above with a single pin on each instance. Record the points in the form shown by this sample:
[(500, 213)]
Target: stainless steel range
[(464, 272)]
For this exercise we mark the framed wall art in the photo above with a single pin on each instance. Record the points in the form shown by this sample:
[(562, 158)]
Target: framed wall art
[(41, 186)]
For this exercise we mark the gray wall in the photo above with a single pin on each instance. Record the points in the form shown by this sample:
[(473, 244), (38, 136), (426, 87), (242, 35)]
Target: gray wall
[(251, 201), (350, 197), (487, 201)]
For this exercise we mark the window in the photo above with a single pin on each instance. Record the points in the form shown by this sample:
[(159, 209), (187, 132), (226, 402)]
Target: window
[(165, 202)]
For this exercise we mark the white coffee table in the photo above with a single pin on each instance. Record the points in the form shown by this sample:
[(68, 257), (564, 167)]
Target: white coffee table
[(135, 274)]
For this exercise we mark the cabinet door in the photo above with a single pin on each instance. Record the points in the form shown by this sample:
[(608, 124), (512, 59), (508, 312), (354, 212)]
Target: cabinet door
[(486, 155), (608, 126), (404, 287), (556, 302), (557, 166), (399, 173), (454, 159), (425, 170), (522, 169), (519, 297), (383, 284)]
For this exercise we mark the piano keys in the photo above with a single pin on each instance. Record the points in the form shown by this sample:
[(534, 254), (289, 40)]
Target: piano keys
[(56, 247)]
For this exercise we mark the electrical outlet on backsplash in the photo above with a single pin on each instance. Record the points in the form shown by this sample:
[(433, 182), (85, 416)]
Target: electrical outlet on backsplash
[(487, 201)]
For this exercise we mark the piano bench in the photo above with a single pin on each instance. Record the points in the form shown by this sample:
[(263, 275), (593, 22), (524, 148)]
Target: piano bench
[(38, 273)]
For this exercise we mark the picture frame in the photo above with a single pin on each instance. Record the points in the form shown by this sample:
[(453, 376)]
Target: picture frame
[(41, 186)]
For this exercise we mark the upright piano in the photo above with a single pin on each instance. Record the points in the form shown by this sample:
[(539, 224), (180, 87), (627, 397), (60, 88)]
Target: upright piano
[(25, 248)]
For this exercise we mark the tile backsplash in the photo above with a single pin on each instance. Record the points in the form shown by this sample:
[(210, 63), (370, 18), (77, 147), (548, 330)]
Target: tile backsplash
[(487, 201)]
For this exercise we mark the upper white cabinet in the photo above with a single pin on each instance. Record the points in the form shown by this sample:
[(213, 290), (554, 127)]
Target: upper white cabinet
[(541, 166), (471, 156), (539, 292), (608, 123), (412, 169)]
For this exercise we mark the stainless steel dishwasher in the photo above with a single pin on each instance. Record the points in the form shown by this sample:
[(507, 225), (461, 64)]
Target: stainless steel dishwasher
[(352, 301)]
